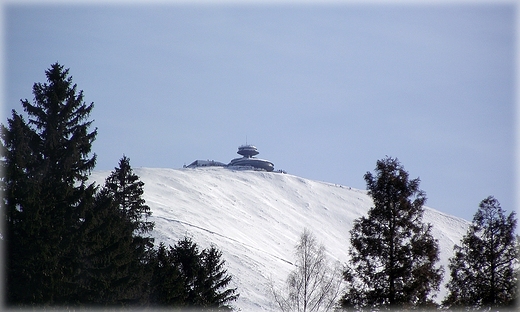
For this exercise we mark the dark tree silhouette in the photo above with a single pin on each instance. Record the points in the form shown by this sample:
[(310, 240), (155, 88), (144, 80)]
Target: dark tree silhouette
[(46, 163), (124, 186), (130, 246), (105, 256), (393, 254), (167, 288), (184, 276), (484, 269), (214, 281)]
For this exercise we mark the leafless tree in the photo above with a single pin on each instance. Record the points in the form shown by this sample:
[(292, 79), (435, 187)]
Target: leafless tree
[(315, 284)]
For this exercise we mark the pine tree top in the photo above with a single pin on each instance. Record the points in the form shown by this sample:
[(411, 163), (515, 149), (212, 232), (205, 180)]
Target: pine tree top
[(60, 117)]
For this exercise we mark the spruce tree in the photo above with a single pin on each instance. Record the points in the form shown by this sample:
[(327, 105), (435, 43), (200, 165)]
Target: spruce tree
[(214, 281), (393, 253), (105, 255), (46, 162), (126, 191), (185, 276), (484, 269), (18, 190), (167, 287), (186, 256)]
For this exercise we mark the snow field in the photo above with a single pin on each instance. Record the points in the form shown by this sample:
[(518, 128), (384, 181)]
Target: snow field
[(255, 219)]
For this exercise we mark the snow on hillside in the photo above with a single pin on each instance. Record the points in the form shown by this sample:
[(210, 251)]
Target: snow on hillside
[(255, 219)]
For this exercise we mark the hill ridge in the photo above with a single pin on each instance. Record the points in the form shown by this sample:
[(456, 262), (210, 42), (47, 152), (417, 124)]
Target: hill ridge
[(255, 219)]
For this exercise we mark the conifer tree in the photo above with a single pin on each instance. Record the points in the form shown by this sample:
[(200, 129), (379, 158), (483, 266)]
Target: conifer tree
[(127, 190), (134, 243), (167, 288), (214, 281), (393, 254), (46, 162), (184, 276), (186, 256), (105, 255), (18, 190), (484, 269)]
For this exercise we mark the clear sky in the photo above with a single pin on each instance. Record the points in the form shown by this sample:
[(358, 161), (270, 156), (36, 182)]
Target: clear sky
[(323, 91)]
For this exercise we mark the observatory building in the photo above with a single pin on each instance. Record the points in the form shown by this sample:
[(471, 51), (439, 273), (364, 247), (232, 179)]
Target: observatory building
[(247, 161)]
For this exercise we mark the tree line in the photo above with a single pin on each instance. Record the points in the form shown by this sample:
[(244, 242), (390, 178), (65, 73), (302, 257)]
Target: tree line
[(393, 258), (70, 243)]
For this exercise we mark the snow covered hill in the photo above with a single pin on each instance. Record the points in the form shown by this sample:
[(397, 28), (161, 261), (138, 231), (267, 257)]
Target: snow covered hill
[(255, 218)]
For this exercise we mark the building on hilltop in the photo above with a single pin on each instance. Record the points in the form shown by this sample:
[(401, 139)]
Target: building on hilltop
[(205, 163), (247, 161)]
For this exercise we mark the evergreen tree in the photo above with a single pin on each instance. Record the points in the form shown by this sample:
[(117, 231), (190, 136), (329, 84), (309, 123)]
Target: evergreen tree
[(134, 246), (105, 256), (18, 190), (127, 190), (214, 280), (484, 269), (186, 256), (46, 164), (184, 276), (167, 288), (393, 254)]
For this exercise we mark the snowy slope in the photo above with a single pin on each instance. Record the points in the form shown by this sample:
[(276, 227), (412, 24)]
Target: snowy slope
[(255, 219)]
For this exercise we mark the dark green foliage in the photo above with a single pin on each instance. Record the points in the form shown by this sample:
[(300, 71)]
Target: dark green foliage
[(214, 280), (46, 164), (167, 288), (104, 254), (185, 276), (484, 269), (125, 189), (393, 254), (186, 257), (19, 192), (59, 116), (70, 244)]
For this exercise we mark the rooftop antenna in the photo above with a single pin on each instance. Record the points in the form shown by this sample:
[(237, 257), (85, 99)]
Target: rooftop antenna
[(246, 139)]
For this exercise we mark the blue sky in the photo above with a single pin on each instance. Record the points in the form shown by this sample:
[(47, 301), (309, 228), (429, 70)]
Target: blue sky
[(323, 91)]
